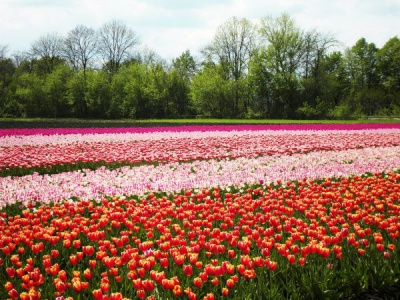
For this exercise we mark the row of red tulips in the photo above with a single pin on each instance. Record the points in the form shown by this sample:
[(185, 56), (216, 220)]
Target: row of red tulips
[(266, 241)]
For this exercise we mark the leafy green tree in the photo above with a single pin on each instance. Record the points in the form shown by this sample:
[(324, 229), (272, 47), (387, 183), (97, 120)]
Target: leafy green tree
[(262, 99), (141, 91), (29, 93), (55, 92), (90, 97), (97, 94), (7, 70), (283, 55), (388, 60), (317, 84), (322, 92), (361, 64), (76, 88), (155, 91), (127, 91), (180, 78), (118, 93), (212, 93)]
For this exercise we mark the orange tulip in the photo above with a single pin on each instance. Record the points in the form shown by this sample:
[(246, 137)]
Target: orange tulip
[(177, 290)]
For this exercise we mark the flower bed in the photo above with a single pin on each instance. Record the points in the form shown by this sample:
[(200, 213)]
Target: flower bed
[(174, 177), (320, 216), (46, 151)]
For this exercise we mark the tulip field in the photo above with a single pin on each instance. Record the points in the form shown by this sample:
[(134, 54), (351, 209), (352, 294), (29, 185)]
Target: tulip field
[(200, 212)]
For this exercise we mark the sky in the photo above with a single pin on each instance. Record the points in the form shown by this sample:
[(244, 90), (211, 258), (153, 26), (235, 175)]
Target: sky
[(170, 27)]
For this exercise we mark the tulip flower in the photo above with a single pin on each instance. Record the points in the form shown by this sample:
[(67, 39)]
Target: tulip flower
[(188, 270), (197, 281), (177, 290), (225, 292)]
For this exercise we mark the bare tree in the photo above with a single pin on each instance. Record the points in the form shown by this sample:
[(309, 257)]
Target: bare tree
[(115, 42), (316, 46), (232, 46), (20, 57), (80, 46), (285, 43), (3, 51), (49, 49), (146, 56)]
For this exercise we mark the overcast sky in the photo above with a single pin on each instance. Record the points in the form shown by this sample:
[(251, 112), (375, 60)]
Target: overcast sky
[(169, 27)]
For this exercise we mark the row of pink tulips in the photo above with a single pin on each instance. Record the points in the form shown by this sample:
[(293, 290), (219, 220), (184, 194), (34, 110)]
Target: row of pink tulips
[(38, 151), (278, 127), (175, 176), (381, 136)]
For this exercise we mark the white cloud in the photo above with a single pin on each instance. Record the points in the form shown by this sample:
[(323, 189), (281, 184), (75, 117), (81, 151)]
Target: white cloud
[(170, 27)]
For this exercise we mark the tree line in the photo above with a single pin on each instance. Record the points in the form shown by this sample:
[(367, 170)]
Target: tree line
[(273, 69)]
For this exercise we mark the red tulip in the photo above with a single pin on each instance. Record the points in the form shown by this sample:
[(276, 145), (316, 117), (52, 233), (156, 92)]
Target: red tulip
[(116, 296), (164, 262), (77, 244), (192, 296), (197, 282), (13, 294), (241, 269), (66, 243), (148, 285), (60, 285), (203, 276), (6, 250), (73, 259), (380, 247), (88, 250), (10, 272), (104, 286), (54, 253), (188, 270), (141, 272), (209, 296), (9, 286), (137, 284), (215, 281), (92, 263), (97, 294), (302, 261), (291, 259), (361, 251), (77, 286), (87, 274)]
